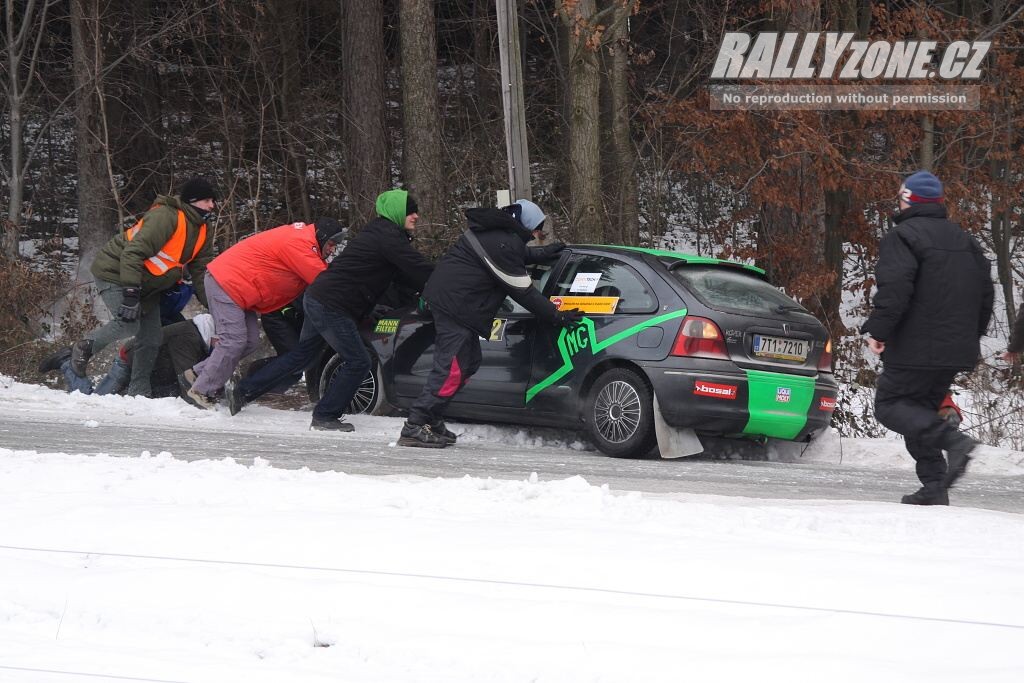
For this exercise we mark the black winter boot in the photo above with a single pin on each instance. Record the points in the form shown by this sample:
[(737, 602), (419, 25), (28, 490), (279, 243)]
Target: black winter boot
[(929, 494), (81, 352), (324, 425), (958, 455), (53, 362), (439, 428), (421, 436), (234, 397)]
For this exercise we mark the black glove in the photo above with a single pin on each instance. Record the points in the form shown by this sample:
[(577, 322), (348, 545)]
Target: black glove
[(130, 307), (553, 249), (568, 318)]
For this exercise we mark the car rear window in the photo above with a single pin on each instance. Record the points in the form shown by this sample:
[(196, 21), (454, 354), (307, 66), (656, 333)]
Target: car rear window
[(730, 289)]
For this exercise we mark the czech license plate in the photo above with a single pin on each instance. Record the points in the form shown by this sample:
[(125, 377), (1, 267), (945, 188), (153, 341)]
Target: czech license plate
[(780, 348)]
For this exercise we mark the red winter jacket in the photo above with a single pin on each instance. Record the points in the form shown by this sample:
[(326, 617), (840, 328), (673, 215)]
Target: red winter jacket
[(264, 272)]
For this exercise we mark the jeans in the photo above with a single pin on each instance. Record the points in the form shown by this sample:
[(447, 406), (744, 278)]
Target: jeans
[(342, 333), (321, 325), (284, 367)]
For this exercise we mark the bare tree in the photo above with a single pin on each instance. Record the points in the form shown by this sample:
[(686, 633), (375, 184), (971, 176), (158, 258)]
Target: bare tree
[(362, 106), (584, 157), (24, 31), (421, 122), (96, 215), (621, 181)]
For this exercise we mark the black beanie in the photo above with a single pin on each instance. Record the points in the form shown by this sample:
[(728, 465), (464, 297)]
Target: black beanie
[(195, 189), (328, 230), (410, 205)]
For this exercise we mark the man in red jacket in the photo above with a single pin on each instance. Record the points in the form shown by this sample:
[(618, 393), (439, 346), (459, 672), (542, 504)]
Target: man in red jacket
[(260, 274)]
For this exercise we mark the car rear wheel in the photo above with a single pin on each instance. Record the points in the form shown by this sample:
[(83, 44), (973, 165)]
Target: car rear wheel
[(369, 397), (619, 414)]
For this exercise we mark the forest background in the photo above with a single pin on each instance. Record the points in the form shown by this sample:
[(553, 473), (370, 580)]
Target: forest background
[(303, 108)]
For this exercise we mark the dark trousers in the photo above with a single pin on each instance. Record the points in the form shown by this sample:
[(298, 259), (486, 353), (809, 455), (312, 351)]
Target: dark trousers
[(907, 402), (341, 332), (456, 359)]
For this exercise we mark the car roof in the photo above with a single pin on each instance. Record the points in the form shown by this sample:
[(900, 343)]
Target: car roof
[(677, 256)]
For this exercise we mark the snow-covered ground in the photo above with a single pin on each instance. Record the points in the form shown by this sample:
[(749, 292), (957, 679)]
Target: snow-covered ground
[(149, 568)]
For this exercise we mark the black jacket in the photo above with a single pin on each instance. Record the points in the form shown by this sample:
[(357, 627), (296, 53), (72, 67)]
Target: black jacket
[(378, 255), (470, 287), (934, 297)]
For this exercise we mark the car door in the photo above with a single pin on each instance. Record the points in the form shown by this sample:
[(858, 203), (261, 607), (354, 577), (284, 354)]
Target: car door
[(506, 357), (618, 300)]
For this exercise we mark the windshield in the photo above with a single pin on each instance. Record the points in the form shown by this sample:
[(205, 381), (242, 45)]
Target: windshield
[(734, 290)]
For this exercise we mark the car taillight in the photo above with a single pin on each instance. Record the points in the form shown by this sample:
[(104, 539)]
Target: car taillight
[(825, 361), (699, 337)]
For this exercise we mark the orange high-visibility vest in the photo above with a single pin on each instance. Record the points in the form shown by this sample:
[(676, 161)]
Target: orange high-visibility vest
[(169, 255)]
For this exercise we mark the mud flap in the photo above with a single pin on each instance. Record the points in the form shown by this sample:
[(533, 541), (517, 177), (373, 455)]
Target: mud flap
[(673, 442)]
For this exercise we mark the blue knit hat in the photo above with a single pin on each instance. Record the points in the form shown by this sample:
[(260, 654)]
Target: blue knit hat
[(921, 188)]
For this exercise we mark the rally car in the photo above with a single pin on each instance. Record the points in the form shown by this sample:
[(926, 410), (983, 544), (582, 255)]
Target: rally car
[(698, 345)]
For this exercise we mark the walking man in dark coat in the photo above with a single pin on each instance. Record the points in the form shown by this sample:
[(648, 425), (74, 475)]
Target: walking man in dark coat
[(933, 304), (471, 280)]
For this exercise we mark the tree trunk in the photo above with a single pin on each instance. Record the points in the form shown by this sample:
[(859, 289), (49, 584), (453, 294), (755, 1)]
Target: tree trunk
[(23, 35), (363, 116), (96, 215), (622, 188), (421, 121), (584, 159), (285, 76)]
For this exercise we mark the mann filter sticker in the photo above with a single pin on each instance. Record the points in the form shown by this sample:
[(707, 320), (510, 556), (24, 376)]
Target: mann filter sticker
[(588, 304), (386, 326), (585, 283), (726, 391)]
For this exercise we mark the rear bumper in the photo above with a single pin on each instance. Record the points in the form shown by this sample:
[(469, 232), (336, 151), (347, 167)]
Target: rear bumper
[(725, 400)]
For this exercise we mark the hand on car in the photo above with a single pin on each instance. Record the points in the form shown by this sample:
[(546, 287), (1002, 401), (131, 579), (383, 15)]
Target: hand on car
[(877, 347), (553, 249), (130, 306), (568, 318)]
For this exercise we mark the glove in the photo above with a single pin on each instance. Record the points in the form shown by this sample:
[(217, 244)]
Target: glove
[(568, 318), (553, 249), (130, 307)]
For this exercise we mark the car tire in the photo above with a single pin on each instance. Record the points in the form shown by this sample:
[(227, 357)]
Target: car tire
[(369, 398), (619, 414)]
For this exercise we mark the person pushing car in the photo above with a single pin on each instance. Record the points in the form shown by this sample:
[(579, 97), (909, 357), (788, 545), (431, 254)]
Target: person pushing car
[(486, 264)]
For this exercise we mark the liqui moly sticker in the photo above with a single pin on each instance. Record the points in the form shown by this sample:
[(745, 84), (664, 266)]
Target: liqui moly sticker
[(783, 394), (726, 391)]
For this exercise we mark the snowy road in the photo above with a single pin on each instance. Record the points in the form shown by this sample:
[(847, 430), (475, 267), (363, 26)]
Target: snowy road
[(282, 439)]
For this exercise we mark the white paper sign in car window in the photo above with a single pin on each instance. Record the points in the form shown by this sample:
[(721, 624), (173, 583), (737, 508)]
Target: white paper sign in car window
[(585, 283)]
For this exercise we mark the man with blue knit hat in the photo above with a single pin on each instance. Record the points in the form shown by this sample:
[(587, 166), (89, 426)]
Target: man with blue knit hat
[(933, 303), (486, 264)]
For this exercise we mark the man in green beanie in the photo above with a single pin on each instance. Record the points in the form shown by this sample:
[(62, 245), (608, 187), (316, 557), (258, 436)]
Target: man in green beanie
[(338, 299)]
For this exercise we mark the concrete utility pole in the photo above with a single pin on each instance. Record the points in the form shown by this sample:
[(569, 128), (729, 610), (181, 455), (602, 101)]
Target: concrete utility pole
[(512, 99)]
